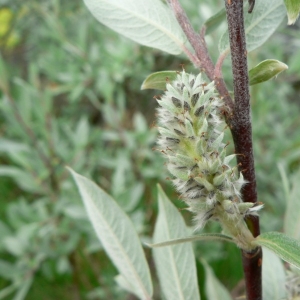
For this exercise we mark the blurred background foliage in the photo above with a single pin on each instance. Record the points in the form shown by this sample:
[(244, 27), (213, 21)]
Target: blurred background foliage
[(70, 96)]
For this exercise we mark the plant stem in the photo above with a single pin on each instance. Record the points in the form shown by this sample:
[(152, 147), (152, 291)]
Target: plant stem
[(201, 58), (240, 124)]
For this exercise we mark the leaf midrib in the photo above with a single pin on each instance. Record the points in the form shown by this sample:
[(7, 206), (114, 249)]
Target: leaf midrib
[(127, 259), (148, 21)]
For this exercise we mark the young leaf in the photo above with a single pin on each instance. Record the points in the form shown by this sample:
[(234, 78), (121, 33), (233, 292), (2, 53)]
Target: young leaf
[(284, 246), (149, 23), (198, 237), (7, 291), (293, 10), (213, 22), (259, 25), (158, 80), (273, 276), (213, 287), (117, 235), (175, 264), (266, 70), (292, 214), (3, 76), (23, 289)]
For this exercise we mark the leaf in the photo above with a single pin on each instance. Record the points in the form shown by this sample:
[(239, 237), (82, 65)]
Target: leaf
[(213, 22), (150, 23), (159, 80), (214, 289), (284, 246), (292, 215), (24, 179), (7, 291), (175, 264), (293, 10), (273, 276), (23, 289), (266, 70), (117, 235), (259, 25), (7, 270), (199, 237), (4, 86), (8, 146)]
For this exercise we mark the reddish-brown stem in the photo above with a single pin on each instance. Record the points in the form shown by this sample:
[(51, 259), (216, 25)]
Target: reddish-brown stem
[(242, 135), (204, 62), (252, 264)]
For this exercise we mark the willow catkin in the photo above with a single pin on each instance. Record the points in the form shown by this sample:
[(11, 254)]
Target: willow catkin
[(191, 131)]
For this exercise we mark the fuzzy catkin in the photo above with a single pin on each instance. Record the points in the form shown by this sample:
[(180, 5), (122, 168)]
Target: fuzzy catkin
[(191, 136)]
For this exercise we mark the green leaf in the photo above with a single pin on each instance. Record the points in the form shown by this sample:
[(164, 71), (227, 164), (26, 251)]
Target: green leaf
[(150, 23), (7, 270), (284, 246), (259, 25), (215, 290), (23, 289), (117, 235), (293, 10), (292, 214), (159, 80), (199, 237), (24, 179), (8, 290), (175, 264), (266, 70), (273, 276), (3, 76), (213, 22)]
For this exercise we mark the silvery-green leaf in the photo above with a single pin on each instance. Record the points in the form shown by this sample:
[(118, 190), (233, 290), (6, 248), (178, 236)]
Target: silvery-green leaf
[(175, 264), (158, 80), (282, 245), (259, 25), (117, 235), (285, 181), (266, 70), (273, 276), (199, 237), (293, 10), (124, 283), (23, 289), (292, 214), (7, 291), (214, 21), (214, 289), (150, 23)]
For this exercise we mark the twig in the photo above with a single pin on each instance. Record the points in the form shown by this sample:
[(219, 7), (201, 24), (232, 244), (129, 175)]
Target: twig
[(204, 62), (29, 132), (242, 136)]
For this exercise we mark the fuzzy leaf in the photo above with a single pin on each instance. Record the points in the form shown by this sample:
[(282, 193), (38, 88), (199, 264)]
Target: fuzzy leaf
[(158, 80), (266, 70), (214, 21), (284, 246), (293, 10), (175, 264), (23, 289), (259, 25), (150, 23), (199, 237), (292, 214), (117, 235), (273, 276), (215, 290)]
